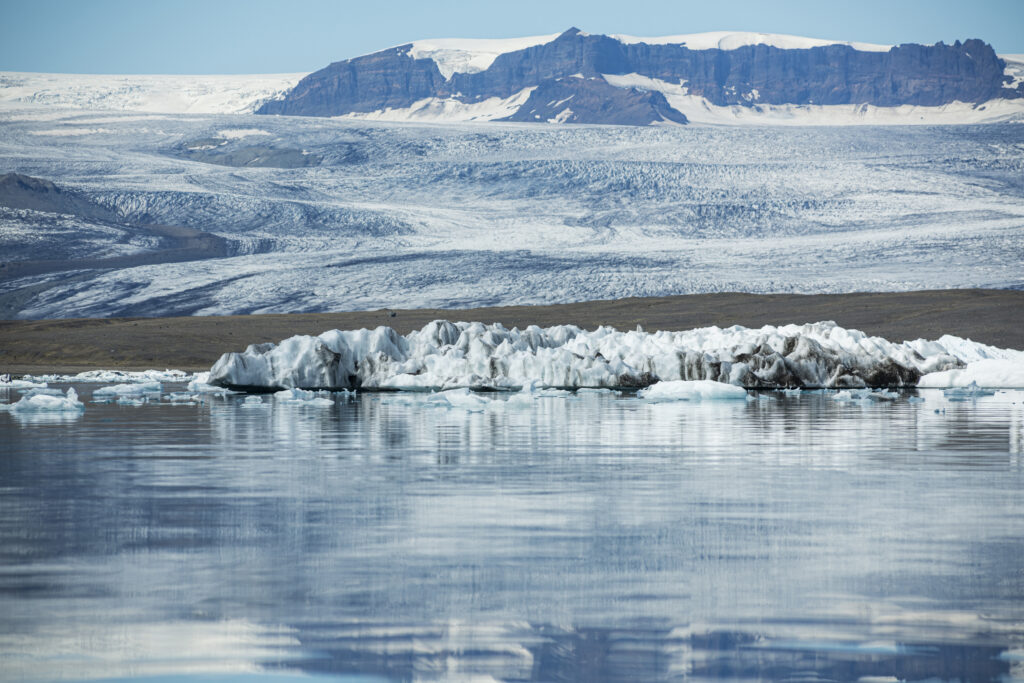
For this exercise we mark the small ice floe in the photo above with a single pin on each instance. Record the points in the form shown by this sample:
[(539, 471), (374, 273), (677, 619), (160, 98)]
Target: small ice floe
[(865, 395), (968, 392), (130, 401), (883, 395), (138, 389), (599, 391), (182, 398), (7, 383), (792, 392), (302, 397), (46, 403), (692, 390), (252, 402), (915, 399), (198, 384), (123, 376)]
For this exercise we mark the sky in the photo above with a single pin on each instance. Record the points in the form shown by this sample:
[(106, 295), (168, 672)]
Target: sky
[(276, 36)]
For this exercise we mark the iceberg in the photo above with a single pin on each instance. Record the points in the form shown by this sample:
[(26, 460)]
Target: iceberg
[(446, 355), (993, 373), (7, 383), (963, 393), (696, 390), (129, 389), (47, 403), (252, 402), (302, 397), (123, 376)]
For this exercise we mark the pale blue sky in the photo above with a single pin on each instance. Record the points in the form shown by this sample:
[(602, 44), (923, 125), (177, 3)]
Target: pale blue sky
[(277, 36)]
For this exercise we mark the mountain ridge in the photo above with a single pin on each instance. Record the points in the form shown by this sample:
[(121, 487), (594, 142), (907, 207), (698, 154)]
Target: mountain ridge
[(753, 72)]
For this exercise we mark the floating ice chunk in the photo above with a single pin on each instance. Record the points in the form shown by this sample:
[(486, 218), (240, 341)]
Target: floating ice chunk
[(842, 396), (131, 401), (252, 402), (294, 395), (692, 390), (129, 389), (970, 391), (47, 403), (199, 385), (122, 376), (883, 395), (995, 373), (7, 383)]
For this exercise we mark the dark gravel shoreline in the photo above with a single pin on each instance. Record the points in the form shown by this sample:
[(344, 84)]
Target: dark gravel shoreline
[(193, 343)]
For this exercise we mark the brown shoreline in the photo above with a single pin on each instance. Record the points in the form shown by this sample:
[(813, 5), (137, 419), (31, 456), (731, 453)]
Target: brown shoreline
[(193, 343)]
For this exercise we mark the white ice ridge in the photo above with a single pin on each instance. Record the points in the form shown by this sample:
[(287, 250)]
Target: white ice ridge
[(123, 376), (699, 109), (467, 55), (732, 40), (445, 355)]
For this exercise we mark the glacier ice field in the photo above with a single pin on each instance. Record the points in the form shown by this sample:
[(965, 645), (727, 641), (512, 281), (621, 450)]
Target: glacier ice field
[(182, 214)]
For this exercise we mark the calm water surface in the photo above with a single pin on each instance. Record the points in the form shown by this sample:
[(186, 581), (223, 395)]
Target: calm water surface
[(588, 538)]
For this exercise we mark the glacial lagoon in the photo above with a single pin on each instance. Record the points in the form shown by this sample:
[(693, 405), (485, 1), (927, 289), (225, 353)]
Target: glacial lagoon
[(581, 537)]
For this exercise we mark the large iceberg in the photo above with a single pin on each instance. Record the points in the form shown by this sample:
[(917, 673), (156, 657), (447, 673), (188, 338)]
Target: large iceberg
[(446, 355)]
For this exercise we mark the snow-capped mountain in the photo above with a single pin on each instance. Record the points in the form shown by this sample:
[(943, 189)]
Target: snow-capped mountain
[(575, 77)]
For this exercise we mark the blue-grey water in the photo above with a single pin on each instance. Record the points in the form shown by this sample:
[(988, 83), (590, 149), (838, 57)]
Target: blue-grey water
[(588, 538)]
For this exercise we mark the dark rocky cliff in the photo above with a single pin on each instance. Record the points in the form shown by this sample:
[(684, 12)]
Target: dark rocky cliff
[(592, 100), (750, 75)]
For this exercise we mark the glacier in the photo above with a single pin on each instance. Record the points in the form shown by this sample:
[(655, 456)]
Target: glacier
[(180, 215), (471, 355)]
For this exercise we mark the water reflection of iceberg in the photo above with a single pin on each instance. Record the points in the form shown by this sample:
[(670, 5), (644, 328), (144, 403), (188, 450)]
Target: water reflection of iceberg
[(799, 429)]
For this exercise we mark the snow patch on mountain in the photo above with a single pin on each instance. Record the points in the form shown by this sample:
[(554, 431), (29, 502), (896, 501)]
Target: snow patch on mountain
[(469, 55), (1014, 70), (699, 110), (732, 40), (449, 110)]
